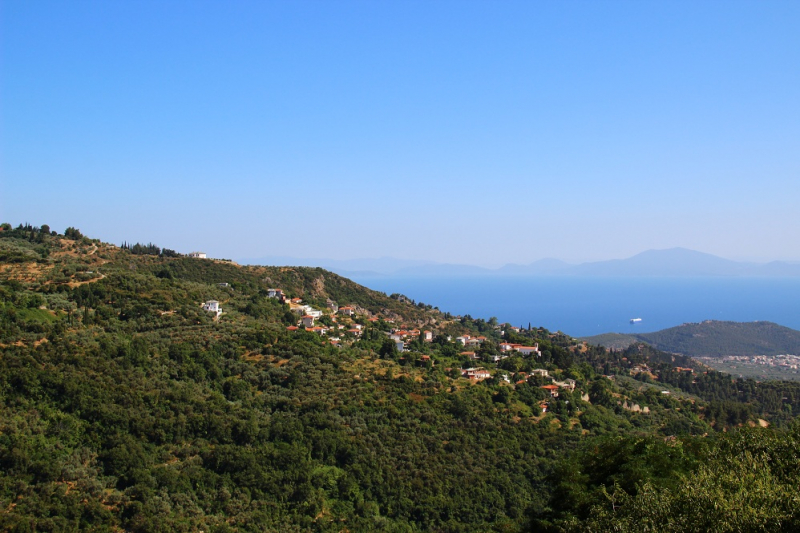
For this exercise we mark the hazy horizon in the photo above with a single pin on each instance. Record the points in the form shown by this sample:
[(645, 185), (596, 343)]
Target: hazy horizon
[(489, 266), (453, 132)]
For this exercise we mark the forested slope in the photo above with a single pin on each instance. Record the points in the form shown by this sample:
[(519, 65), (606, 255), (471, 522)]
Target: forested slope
[(125, 406)]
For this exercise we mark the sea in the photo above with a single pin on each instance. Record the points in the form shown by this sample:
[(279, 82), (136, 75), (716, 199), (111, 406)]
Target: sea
[(588, 306)]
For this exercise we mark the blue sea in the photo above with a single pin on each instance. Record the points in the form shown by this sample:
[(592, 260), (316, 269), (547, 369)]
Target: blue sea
[(590, 306)]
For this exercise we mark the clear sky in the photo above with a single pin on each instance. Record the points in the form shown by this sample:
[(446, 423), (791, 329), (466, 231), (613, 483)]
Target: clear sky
[(470, 132)]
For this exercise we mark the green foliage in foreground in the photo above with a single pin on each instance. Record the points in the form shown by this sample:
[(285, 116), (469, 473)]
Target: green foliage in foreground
[(742, 482)]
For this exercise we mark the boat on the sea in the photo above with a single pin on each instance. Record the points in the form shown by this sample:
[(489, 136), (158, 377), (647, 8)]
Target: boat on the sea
[(635, 320)]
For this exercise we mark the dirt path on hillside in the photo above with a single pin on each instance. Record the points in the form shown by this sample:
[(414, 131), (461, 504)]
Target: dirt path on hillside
[(73, 284)]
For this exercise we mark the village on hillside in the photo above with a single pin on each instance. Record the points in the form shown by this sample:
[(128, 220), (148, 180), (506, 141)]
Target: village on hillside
[(344, 325)]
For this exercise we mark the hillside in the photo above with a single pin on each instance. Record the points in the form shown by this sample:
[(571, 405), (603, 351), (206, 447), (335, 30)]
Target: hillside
[(615, 341), (713, 339), (126, 406)]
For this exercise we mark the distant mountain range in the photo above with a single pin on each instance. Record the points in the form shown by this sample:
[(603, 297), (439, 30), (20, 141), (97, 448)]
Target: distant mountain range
[(712, 338), (675, 262)]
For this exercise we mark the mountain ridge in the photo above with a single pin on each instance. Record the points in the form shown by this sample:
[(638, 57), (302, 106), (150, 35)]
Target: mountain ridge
[(712, 338), (671, 262)]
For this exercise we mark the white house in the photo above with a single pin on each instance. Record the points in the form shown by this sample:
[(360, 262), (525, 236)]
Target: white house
[(476, 373), (212, 306), (312, 312), (528, 350), (198, 255), (463, 339), (274, 293), (507, 347), (347, 310)]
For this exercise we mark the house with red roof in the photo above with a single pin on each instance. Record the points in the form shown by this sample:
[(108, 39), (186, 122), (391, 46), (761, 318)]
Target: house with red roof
[(529, 350), (552, 389)]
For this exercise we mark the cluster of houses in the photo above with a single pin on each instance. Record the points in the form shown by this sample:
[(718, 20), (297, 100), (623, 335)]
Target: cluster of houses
[(309, 316), (402, 336), (505, 349), (470, 342)]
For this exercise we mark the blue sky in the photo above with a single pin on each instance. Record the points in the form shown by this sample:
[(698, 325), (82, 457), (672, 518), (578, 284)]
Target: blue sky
[(470, 132)]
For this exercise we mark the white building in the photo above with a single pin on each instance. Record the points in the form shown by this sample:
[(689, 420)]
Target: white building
[(312, 312), (529, 350), (476, 373), (212, 306), (198, 255)]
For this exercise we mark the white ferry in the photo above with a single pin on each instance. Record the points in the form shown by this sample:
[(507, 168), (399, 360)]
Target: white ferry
[(635, 320)]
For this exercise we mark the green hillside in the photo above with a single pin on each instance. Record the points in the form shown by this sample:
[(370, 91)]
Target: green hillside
[(713, 338), (124, 406), (616, 341)]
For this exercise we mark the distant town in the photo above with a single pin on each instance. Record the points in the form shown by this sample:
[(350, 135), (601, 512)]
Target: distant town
[(757, 366)]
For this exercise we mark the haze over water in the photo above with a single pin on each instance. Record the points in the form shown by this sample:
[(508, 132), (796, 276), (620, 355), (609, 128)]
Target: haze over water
[(590, 306)]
